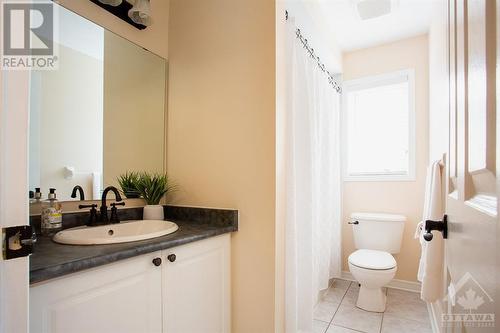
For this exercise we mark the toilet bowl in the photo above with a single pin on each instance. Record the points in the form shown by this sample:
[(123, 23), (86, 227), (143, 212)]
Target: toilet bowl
[(376, 236), (372, 269)]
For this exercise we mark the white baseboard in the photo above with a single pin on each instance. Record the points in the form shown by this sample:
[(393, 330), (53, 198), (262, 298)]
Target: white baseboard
[(395, 283)]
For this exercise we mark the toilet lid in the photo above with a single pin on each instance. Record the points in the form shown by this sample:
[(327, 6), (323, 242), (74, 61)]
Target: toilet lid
[(372, 259)]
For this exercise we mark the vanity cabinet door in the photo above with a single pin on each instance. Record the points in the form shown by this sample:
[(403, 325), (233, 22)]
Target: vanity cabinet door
[(122, 297), (196, 287)]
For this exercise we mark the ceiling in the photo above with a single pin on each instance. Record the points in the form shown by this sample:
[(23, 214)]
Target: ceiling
[(341, 22)]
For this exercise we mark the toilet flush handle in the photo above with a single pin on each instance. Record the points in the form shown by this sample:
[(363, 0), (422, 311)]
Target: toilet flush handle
[(353, 222)]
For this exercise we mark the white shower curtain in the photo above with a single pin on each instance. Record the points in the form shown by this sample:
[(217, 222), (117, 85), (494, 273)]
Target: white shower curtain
[(312, 243)]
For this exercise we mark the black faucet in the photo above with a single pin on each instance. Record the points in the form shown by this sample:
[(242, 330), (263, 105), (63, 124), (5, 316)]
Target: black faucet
[(80, 190), (104, 209)]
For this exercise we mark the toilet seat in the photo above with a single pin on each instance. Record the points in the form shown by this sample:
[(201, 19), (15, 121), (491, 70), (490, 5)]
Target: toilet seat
[(372, 260)]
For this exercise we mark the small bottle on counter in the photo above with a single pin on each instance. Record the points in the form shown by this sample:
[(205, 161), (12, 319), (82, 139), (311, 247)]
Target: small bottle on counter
[(38, 195), (51, 214), (35, 197)]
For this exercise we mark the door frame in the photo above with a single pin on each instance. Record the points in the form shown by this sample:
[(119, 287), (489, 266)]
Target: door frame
[(14, 209)]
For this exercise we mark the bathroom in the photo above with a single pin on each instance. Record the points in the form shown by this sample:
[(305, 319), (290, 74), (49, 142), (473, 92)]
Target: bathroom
[(229, 109)]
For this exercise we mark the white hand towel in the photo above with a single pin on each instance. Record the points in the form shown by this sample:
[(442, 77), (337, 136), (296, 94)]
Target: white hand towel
[(431, 267), (418, 229)]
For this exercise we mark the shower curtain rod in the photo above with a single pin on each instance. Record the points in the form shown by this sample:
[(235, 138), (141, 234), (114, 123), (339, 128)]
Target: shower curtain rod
[(310, 50)]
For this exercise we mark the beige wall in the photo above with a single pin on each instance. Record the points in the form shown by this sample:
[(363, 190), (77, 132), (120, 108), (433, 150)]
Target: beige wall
[(438, 82), (393, 197), (221, 135)]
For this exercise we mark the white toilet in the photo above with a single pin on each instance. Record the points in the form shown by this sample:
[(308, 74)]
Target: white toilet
[(376, 236)]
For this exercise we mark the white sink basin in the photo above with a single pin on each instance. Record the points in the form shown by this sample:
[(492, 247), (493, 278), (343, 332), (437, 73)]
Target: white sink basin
[(128, 231)]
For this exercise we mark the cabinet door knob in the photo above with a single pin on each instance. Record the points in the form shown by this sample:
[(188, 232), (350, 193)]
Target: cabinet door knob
[(171, 257), (157, 261)]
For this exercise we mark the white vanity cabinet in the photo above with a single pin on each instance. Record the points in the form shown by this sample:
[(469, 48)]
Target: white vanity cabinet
[(187, 295), (196, 287), (124, 297)]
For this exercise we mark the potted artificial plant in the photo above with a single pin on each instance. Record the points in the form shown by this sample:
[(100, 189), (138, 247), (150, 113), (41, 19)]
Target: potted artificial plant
[(128, 183), (153, 187)]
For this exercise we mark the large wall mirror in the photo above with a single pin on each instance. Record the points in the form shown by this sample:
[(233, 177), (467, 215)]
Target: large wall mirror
[(99, 115)]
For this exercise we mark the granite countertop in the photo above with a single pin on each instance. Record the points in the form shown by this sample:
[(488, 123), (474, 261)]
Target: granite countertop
[(50, 260)]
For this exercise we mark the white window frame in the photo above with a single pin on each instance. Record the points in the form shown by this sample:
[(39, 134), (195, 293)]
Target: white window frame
[(372, 82)]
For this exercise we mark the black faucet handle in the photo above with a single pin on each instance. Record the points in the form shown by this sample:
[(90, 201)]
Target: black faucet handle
[(93, 206), (114, 212), (93, 213)]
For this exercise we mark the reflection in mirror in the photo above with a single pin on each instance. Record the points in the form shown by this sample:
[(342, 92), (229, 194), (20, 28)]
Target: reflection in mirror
[(99, 115)]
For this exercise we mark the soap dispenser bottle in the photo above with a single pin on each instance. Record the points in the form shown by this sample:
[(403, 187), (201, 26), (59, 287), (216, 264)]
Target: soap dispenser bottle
[(51, 215)]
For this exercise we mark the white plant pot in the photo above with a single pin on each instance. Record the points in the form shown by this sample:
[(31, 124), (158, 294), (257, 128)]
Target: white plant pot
[(153, 212)]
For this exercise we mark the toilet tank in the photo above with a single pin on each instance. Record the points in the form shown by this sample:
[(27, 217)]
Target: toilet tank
[(375, 231)]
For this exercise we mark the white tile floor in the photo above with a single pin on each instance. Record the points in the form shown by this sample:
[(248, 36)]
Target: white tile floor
[(337, 312)]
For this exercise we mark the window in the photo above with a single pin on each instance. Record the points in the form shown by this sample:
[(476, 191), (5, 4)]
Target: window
[(379, 127)]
